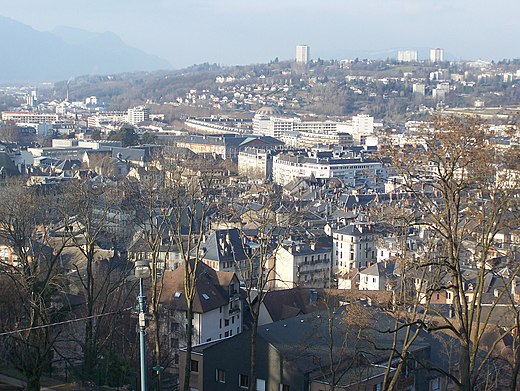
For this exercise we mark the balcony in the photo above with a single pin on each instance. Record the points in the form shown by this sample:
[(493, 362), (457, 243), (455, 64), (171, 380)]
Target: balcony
[(234, 296), (234, 310)]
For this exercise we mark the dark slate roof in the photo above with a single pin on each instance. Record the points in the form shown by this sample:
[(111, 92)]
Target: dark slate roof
[(224, 245), (7, 166), (69, 164), (209, 139), (141, 153), (365, 229), (362, 200), (304, 340), (229, 140), (286, 303), (350, 229), (264, 140), (380, 269), (129, 154)]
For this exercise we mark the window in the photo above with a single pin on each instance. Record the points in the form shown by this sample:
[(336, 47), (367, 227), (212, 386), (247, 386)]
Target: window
[(377, 387), (284, 387), (174, 343), (435, 384), (226, 334), (194, 366), (243, 381), (226, 322), (220, 376), (260, 385)]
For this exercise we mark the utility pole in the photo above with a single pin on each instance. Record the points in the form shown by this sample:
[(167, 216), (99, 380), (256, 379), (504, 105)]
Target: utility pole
[(142, 271)]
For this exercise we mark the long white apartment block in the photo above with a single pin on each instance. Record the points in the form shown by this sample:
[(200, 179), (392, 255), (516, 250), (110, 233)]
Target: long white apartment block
[(351, 171), (407, 56)]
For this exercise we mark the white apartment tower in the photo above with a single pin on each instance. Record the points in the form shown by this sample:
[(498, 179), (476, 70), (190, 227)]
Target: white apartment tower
[(407, 56), (362, 124), (302, 54), (437, 55), (138, 114)]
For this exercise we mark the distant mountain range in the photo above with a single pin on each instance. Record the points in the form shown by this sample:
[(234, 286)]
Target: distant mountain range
[(31, 55)]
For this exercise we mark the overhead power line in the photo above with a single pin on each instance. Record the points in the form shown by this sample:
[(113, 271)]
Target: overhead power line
[(64, 322)]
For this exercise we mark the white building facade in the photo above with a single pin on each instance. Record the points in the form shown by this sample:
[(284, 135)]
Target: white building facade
[(303, 265), (437, 55), (407, 56), (138, 114), (352, 172), (255, 163), (354, 247), (303, 54)]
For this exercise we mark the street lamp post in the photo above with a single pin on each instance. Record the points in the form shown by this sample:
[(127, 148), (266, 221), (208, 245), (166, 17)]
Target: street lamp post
[(142, 271)]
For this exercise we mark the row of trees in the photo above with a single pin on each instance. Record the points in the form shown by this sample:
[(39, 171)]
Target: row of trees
[(68, 293), (65, 258)]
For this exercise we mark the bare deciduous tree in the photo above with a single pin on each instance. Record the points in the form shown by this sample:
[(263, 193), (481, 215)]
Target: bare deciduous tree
[(465, 191), (32, 274)]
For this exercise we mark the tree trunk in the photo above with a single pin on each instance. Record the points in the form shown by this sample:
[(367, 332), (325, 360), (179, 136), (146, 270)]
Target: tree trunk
[(252, 384), (189, 343), (464, 368), (33, 382)]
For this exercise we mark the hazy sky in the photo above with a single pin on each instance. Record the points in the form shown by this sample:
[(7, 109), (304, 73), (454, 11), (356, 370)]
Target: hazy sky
[(251, 31)]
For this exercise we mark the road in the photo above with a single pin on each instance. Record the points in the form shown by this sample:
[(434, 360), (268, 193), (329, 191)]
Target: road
[(10, 383)]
